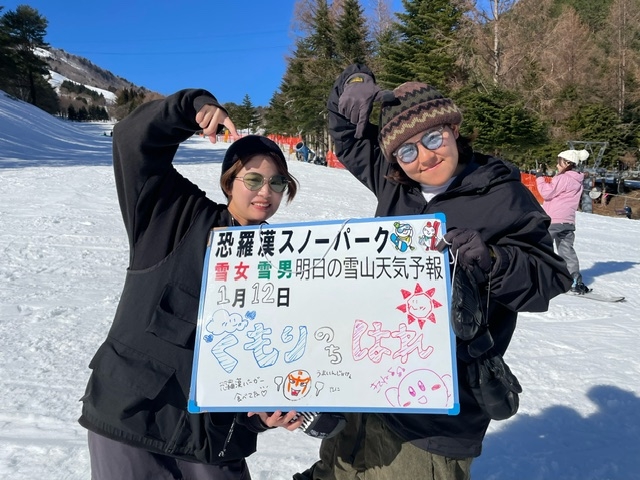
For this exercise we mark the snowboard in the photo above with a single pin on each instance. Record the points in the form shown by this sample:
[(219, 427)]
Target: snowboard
[(598, 297)]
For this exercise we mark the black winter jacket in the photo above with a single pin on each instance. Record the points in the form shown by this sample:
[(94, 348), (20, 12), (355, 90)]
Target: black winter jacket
[(139, 386), (490, 198)]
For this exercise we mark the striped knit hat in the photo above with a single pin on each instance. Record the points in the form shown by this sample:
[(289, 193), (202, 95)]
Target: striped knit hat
[(416, 108)]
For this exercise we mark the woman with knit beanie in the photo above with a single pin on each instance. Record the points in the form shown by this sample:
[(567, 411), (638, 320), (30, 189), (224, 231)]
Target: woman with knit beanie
[(561, 199), (417, 162)]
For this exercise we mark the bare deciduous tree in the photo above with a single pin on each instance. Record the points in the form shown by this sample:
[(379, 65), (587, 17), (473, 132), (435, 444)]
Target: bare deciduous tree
[(622, 29), (381, 18)]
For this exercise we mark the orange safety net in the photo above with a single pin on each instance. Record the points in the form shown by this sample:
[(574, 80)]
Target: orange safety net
[(332, 161), (529, 181)]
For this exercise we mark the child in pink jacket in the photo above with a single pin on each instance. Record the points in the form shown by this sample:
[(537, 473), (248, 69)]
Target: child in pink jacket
[(561, 199)]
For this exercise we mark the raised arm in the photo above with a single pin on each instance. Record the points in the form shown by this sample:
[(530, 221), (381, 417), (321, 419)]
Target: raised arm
[(361, 156), (155, 200)]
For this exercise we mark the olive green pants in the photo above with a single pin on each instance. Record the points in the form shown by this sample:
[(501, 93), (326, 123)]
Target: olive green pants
[(373, 452)]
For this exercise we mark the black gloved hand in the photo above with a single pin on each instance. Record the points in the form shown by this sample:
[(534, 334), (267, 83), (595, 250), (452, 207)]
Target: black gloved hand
[(469, 250), (494, 386), (356, 101), (466, 310), (542, 171)]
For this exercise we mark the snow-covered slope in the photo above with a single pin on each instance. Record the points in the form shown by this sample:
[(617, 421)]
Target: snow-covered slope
[(63, 255), (29, 136)]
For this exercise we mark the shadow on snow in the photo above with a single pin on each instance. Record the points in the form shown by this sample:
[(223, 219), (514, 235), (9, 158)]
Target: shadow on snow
[(565, 445)]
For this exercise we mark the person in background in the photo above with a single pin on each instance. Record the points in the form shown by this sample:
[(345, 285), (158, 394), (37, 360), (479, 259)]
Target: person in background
[(417, 162), (562, 197), (135, 404)]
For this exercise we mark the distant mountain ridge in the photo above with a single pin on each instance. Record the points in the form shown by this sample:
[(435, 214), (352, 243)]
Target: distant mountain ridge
[(88, 92), (84, 72)]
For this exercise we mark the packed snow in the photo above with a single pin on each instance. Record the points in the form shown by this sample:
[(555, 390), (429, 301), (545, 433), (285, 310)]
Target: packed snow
[(56, 79), (63, 258)]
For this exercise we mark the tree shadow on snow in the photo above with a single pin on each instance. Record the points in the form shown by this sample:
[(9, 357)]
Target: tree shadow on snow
[(600, 269), (560, 444)]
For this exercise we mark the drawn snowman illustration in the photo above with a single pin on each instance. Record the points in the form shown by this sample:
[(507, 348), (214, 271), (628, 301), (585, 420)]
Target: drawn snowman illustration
[(429, 236)]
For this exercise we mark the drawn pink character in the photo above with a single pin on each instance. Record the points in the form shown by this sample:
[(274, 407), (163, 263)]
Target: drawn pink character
[(419, 389)]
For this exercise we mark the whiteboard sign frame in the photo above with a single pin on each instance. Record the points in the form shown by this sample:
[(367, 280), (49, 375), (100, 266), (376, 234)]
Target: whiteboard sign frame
[(334, 316)]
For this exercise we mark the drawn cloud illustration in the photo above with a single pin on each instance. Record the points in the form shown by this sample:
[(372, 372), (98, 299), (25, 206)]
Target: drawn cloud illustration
[(222, 321)]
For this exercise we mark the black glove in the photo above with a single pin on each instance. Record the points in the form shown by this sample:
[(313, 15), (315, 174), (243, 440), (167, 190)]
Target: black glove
[(356, 101), (469, 250), (494, 386), (466, 309), (542, 171)]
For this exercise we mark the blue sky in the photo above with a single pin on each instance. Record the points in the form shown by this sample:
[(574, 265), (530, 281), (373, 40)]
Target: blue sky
[(229, 48)]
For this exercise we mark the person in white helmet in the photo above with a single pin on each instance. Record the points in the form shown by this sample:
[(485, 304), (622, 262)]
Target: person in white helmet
[(561, 199)]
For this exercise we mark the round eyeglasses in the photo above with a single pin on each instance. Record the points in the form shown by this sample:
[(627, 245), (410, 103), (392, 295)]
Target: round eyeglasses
[(408, 152), (254, 181)]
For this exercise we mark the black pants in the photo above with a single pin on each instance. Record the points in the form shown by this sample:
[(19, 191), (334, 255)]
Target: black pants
[(111, 460)]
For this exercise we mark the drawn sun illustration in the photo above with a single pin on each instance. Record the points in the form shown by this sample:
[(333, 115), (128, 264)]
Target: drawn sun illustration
[(419, 305)]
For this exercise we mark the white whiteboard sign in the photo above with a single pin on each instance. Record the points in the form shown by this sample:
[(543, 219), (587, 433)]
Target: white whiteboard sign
[(331, 316)]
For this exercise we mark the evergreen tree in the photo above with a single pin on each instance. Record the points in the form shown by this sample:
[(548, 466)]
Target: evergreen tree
[(277, 120), (127, 100), (288, 107), (501, 122), (384, 43), (48, 99), (310, 74), (602, 124), (245, 116), (25, 30), (420, 50), (352, 36), (592, 12), (83, 114), (71, 113), (7, 65)]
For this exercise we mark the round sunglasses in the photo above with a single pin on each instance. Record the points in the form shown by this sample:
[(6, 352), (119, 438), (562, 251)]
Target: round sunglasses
[(255, 181), (408, 152)]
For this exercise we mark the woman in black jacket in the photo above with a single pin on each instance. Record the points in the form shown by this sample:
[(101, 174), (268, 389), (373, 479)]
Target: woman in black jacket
[(418, 163), (135, 404)]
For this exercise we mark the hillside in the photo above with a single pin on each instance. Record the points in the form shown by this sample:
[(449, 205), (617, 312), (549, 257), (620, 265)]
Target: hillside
[(81, 84), (82, 71)]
